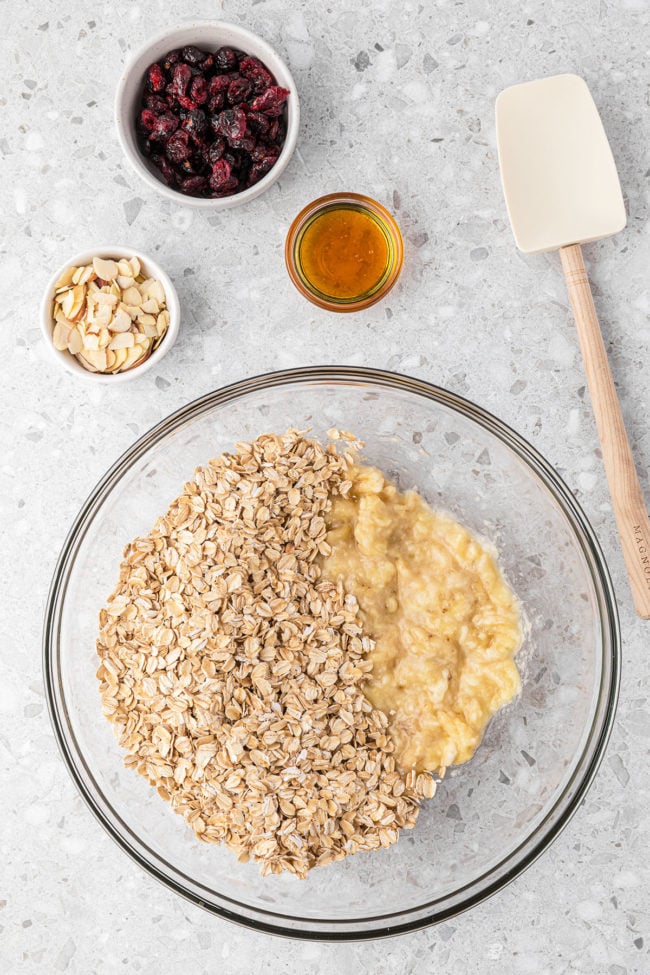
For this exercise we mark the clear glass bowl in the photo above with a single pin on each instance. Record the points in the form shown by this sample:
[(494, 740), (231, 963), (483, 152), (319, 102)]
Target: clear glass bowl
[(490, 818)]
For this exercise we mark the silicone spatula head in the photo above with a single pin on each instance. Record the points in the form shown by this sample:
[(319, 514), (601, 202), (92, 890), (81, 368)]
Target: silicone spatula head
[(558, 172)]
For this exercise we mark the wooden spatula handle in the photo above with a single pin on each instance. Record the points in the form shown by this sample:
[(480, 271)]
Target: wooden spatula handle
[(627, 499)]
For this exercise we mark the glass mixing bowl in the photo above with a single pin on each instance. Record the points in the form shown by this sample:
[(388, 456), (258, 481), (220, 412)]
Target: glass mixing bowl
[(490, 818)]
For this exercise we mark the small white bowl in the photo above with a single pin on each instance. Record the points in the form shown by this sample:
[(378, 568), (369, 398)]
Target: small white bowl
[(208, 36), (152, 269)]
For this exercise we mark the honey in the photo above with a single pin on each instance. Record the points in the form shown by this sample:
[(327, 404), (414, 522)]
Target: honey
[(344, 252)]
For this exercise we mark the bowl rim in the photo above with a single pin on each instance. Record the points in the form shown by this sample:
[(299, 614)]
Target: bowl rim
[(135, 159), (508, 868), (65, 359)]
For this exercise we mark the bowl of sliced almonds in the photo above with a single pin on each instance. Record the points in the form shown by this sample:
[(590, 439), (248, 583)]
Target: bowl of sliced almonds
[(110, 314)]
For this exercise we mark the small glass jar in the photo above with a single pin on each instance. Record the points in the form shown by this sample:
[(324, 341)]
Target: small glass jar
[(344, 252)]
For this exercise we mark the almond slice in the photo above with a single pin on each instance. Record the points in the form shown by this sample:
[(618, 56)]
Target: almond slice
[(84, 362), (66, 278), (131, 296), (136, 267), (125, 281), (105, 299), (121, 321), (120, 359), (123, 340), (96, 358), (60, 336), (146, 319), (91, 343), (75, 341), (107, 270)]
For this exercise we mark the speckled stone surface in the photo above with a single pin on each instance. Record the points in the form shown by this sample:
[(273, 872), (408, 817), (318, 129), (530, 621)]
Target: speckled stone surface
[(398, 102)]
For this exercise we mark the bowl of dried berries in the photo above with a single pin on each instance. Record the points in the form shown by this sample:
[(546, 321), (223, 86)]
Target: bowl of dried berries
[(110, 314), (208, 115)]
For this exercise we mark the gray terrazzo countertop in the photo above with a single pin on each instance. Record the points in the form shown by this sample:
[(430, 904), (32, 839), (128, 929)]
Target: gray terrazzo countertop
[(398, 102)]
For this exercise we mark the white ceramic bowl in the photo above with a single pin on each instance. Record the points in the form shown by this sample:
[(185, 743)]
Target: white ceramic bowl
[(154, 270), (208, 36)]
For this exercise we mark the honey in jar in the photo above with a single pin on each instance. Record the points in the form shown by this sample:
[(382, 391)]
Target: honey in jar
[(344, 252)]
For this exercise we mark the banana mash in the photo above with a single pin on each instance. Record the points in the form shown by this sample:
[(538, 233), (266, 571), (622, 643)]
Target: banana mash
[(445, 625)]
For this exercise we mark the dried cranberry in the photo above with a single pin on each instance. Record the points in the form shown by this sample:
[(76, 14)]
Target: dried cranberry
[(260, 169), (181, 77), (154, 102), (220, 174), (178, 147), (220, 82), (195, 123), (166, 170), (192, 55), (199, 90), (253, 69), (165, 126), (261, 151), (226, 59), (147, 120), (146, 146), (170, 59), (238, 90), (215, 151), (193, 185), (247, 143), (271, 101), (274, 130), (216, 102), (156, 80), (258, 123), (187, 103), (231, 124)]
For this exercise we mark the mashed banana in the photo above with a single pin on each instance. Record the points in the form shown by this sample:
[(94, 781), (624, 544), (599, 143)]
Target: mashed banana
[(445, 624)]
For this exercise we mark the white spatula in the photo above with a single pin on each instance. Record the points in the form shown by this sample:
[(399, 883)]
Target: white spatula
[(562, 190)]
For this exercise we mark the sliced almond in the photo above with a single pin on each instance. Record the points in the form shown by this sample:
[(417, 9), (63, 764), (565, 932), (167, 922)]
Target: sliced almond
[(120, 358), (105, 269), (67, 301), (146, 319), (110, 360), (60, 336), (151, 306), (125, 281), (120, 322), (75, 342), (86, 364), (135, 266), (96, 359), (124, 267), (104, 338), (123, 340), (162, 322), (135, 355), (66, 278), (101, 298), (150, 331), (131, 296), (91, 342)]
